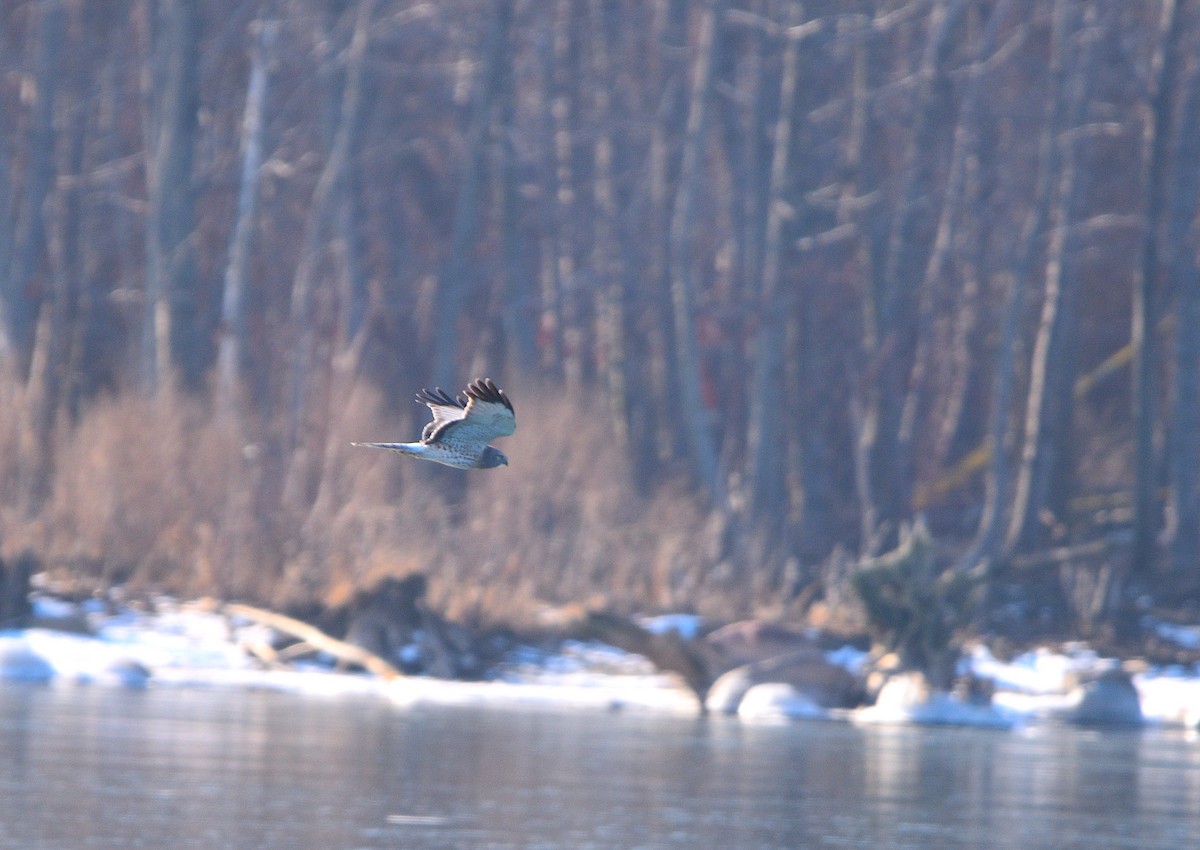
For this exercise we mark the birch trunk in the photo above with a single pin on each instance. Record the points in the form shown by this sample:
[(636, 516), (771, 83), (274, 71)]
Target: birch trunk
[(171, 339), (1050, 215), (232, 331), (612, 280)]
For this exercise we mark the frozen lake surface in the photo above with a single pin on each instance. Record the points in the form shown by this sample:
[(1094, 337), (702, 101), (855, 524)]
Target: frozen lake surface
[(89, 766)]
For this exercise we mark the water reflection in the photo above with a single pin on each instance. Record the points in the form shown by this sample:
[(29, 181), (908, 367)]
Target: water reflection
[(92, 767)]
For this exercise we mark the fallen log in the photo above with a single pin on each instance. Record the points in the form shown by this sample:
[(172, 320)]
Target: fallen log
[(316, 639), (687, 658)]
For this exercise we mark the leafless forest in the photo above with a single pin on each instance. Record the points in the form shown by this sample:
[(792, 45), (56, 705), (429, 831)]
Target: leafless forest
[(765, 279)]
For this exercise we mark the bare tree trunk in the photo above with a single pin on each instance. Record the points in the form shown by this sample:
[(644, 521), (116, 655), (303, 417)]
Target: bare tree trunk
[(572, 287), (7, 220), (655, 437), (1045, 470), (550, 308), (301, 478), (1184, 445), (1049, 371), (765, 440), (954, 218), (113, 251), (898, 323), (352, 243), (346, 249), (172, 339), (612, 279), (1147, 309), (231, 341), (862, 409), (455, 283), (748, 138), (24, 289), (1185, 460), (48, 373), (692, 414), (517, 295), (989, 533), (940, 96)]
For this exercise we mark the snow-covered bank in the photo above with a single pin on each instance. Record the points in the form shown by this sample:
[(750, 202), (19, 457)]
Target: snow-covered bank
[(195, 645)]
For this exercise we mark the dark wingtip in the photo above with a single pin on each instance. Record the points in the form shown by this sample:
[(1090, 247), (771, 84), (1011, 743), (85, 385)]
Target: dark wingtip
[(485, 389), (438, 396)]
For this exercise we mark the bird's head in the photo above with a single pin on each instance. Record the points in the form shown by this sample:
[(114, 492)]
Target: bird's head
[(492, 457)]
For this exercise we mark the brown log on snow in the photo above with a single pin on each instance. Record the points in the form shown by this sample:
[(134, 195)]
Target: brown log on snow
[(317, 639)]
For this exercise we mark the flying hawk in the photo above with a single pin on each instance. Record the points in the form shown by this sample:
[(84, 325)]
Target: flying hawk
[(461, 428)]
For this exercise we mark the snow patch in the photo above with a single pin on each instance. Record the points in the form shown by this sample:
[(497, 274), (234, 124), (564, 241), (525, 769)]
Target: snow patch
[(778, 701), (195, 645), (907, 699)]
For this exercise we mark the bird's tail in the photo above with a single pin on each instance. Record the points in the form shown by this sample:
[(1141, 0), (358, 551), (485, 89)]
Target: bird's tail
[(401, 448)]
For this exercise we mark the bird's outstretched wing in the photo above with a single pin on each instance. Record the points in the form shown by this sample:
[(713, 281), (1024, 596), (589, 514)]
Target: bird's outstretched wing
[(485, 413), (445, 408)]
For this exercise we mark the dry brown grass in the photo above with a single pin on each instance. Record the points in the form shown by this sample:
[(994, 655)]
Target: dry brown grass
[(142, 493), (164, 496)]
